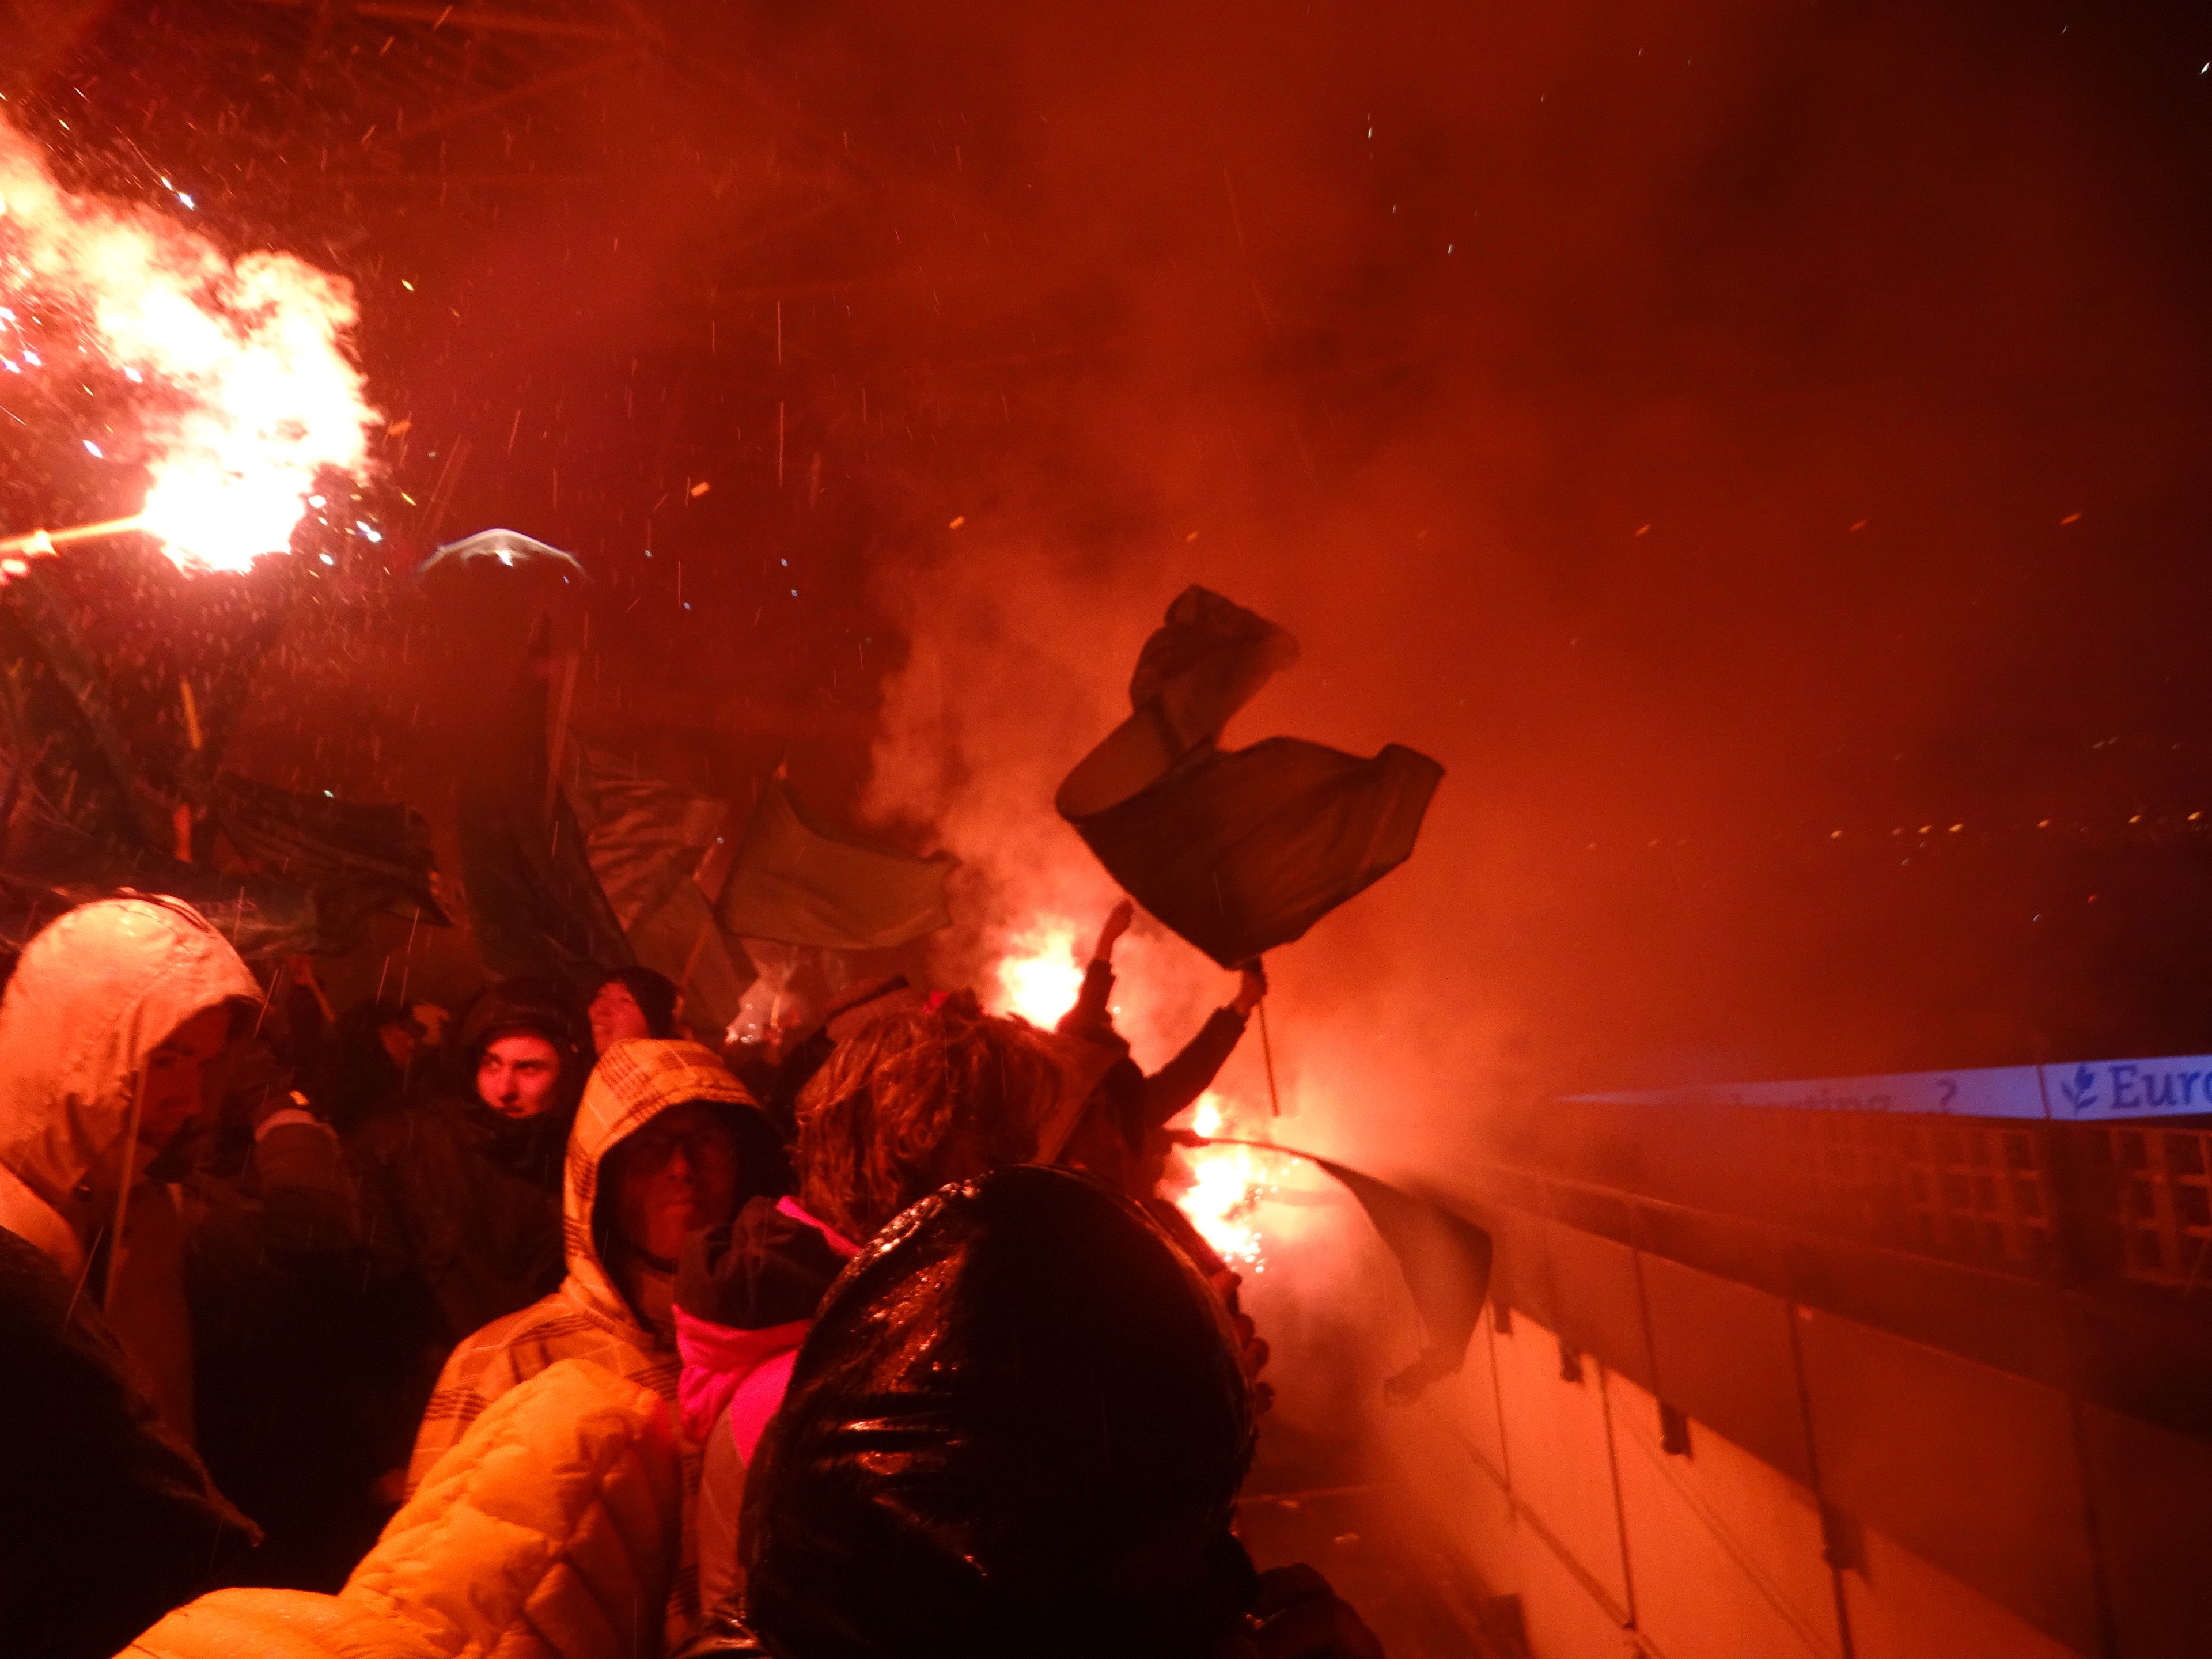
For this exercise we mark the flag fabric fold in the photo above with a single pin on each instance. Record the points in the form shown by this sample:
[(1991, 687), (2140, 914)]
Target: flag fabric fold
[(648, 843), (798, 880), (1242, 850)]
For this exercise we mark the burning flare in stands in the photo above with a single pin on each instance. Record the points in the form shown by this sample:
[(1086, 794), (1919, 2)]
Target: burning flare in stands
[(1038, 979), (247, 390), (1227, 1186)]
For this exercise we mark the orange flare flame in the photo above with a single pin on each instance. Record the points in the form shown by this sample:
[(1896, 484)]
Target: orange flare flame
[(253, 389)]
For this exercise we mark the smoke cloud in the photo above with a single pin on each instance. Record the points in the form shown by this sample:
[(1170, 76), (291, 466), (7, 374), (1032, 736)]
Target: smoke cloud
[(1673, 423)]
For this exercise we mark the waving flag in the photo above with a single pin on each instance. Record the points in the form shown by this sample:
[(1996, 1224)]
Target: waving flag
[(800, 881), (1237, 850)]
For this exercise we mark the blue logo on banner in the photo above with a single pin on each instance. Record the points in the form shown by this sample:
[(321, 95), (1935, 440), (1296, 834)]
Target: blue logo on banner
[(2081, 1093)]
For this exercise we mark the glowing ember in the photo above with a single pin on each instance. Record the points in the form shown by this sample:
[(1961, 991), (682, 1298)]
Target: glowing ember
[(1039, 976), (249, 390), (1227, 1186)]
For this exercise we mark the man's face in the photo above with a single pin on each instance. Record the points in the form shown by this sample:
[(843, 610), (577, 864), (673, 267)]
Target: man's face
[(615, 1017), (178, 1074), (518, 1075), (679, 1172)]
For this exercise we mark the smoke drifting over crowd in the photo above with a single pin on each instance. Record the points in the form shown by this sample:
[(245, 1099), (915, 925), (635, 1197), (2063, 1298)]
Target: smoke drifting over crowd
[(1726, 441), (1756, 448), (1741, 445)]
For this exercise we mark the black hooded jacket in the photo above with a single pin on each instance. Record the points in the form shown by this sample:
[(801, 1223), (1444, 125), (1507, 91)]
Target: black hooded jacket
[(1018, 1426)]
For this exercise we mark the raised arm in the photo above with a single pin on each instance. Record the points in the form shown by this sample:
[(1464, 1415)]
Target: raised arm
[(1191, 1072), (1090, 1017)]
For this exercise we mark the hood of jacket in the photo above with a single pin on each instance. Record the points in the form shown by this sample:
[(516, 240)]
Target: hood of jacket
[(635, 1082), (1018, 1425), (94, 995)]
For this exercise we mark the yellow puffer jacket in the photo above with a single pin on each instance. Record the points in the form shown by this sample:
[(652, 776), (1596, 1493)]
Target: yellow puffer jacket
[(548, 1532)]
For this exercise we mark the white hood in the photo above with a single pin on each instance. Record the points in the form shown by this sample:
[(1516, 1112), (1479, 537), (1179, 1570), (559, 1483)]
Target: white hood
[(94, 995)]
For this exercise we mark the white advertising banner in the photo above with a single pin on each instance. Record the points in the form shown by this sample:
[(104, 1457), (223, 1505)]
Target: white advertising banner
[(2094, 1090)]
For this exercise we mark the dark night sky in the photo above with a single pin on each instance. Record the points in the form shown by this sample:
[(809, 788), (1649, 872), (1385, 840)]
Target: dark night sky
[(1669, 417)]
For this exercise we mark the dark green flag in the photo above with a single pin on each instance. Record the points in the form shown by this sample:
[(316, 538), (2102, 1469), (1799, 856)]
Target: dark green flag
[(799, 881), (1445, 1258), (1241, 850)]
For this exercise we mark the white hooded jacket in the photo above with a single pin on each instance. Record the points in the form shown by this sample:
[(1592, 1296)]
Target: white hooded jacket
[(95, 992)]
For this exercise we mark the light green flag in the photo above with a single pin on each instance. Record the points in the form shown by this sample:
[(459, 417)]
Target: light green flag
[(799, 881)]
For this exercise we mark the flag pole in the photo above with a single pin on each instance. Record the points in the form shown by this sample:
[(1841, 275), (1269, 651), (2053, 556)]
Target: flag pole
[(1268, 1053)]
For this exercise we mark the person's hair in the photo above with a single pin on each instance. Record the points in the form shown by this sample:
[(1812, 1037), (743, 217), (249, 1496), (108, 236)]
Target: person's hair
[(916, 1099), (653, 992)]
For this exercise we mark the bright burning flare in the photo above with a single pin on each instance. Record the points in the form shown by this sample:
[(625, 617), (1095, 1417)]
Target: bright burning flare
[(1039, 977), (1222, 1188), (249, 389), (1227, 1186)]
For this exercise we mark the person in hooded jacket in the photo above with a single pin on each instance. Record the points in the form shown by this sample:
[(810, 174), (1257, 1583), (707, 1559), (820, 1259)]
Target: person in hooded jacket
[(110, 1521), (920, 1096), (548, 1532), (113, 1032), (1018, 1427), (665, 1141)]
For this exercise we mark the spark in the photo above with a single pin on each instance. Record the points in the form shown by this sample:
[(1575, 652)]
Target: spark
[(1228, 1184)]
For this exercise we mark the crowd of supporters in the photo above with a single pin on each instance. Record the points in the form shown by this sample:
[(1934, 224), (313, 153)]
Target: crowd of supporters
[(553, 1329)]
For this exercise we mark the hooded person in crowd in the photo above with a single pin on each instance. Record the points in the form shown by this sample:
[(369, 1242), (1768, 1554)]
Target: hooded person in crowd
[(113, 1034), (632, 1002), (1018, 1427), (466, 1190), (919, 1096), (110, 1521), (666, 1141)]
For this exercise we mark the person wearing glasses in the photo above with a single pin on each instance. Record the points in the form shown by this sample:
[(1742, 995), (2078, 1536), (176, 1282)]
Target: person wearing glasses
[(666, 1141)]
